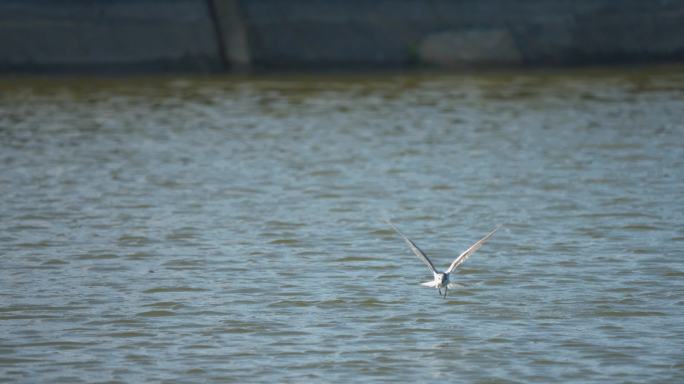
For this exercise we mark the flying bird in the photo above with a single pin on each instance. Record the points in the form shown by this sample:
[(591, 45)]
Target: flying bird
[(441, 279)]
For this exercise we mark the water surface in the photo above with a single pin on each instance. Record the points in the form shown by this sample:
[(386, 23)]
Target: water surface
[(230, 229)]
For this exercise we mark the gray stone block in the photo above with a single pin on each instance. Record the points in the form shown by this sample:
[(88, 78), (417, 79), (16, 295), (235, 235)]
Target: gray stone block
[(470, 47)]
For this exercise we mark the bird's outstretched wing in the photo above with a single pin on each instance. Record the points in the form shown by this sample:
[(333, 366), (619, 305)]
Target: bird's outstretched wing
[(463, 256), (414, 248)]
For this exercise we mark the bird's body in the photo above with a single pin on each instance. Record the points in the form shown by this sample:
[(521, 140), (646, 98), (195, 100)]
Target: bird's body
[(441, 279)]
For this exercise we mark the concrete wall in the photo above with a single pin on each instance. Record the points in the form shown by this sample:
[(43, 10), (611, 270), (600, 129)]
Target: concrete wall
[(382, 33), (107, 36), (218, 35)]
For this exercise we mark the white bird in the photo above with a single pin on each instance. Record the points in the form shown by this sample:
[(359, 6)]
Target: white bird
[(441, 279)]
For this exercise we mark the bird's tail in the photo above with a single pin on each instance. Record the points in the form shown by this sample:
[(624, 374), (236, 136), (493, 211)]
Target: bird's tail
[(430, 284)]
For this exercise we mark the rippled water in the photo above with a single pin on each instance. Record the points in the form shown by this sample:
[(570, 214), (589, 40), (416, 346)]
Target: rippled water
[(229, 229)]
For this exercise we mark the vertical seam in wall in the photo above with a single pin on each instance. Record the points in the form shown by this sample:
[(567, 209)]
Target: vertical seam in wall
[(225, 64), (244, 63)]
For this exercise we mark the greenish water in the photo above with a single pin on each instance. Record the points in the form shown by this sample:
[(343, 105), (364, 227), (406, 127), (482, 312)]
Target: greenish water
[(229, 229)]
